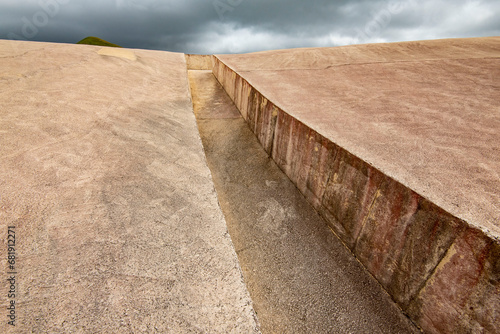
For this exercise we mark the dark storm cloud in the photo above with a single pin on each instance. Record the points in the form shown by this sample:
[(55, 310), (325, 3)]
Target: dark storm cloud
[(221, 26)]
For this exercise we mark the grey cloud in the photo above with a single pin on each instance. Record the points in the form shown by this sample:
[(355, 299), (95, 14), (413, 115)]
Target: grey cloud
[(223, 26)]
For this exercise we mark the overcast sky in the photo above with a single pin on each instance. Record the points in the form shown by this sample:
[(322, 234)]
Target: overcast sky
[(237, 26)]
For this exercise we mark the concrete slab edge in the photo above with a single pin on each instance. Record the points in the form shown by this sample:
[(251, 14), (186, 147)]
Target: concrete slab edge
[(443, 272)]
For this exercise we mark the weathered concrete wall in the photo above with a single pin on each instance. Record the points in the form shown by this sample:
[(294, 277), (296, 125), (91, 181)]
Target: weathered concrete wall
[(198, 62), (443, 273)]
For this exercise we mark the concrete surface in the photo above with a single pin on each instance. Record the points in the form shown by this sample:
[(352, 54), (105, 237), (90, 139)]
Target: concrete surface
[(209, 100), (103, 175), (301, 278), (426, 113), (396, 145), (199, 62), (117, 224)]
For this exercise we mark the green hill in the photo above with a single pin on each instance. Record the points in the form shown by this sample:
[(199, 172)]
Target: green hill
[(97, 41)]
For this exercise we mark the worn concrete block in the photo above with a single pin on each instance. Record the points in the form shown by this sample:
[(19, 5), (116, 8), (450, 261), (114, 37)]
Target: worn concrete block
[(321, 161), (403, 240), (238, 96), (267, 114), (312, 162), (281, 142), (231, 79), (302, 146), (245, 92), (217, 69), (463, 294), (225, 76), (349, 194), (428, 235), (291, 145), (313, 155), (253, 104), (312, 171)]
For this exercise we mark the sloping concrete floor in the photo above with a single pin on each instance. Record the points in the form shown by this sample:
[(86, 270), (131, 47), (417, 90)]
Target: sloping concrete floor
[(301, 278), (103, 175)]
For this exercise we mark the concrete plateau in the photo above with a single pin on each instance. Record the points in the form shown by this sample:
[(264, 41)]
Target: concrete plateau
[(398, 147), (116, 202)]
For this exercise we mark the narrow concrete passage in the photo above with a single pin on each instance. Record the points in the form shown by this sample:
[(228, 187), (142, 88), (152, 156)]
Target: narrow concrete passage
[(300, 276)]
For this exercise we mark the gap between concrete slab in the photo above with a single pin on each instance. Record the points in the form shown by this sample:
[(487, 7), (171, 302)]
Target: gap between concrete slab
[(301, 278)]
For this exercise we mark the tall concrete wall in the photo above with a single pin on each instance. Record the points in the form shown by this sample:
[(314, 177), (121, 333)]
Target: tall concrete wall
[(444, 273)]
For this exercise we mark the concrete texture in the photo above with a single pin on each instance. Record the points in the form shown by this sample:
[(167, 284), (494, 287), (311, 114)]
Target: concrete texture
[(210, 101), (396, 145), (301, 278), (103, 175), (424, 112), (199, 62)]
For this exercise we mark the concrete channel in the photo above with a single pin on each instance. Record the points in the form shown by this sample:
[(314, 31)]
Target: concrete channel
[(396, 146), (301, 277)]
